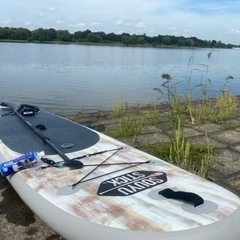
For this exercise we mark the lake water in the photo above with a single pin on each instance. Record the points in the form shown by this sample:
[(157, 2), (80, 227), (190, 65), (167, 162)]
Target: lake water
[(66, 79)]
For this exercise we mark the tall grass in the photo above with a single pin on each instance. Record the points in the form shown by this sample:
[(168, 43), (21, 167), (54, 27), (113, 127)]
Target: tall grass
[(151, 115), (119, 108), (221, 109), (181, 152), (226, 106), (172, 99), (127, 126), (130, 123), (205, 110)]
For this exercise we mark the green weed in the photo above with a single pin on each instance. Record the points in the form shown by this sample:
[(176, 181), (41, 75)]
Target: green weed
[(127, 126), (181, 152), (119, 109), (130, 123), (151, 115)]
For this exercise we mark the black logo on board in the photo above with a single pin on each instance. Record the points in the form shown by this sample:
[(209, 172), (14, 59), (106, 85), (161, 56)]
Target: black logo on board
[(131, 183)]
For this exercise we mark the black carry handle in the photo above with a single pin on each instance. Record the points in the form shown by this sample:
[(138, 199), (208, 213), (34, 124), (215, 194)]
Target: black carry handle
[(187, 197)]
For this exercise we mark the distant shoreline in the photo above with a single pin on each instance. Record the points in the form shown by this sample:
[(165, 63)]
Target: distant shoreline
[(51, 35), (107, 44)]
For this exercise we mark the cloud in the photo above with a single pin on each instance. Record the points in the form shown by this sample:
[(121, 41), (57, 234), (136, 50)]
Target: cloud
[(28, 23), (41, 14), (206, 7), (78, 25), (234, 31), (119, 22), (120, 31), (140, 25), (7, 21), (96, 24), (172, 29), (51, 9)]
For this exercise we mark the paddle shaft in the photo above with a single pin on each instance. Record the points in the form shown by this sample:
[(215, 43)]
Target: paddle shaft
[(111, 164), (41, 135)]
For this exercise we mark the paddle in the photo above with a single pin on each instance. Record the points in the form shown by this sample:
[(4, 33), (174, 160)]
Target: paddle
[(111, 164), (75, 161), (61, 164), (31, 110)]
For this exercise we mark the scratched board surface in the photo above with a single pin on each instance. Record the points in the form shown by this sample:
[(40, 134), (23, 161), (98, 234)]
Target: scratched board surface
[(120, 187)]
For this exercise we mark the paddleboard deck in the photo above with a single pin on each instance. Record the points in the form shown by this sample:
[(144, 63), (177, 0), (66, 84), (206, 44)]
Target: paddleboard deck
[(120, 201)]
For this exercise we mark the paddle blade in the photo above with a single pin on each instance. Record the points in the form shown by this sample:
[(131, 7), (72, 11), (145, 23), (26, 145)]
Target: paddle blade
[(73, 164)]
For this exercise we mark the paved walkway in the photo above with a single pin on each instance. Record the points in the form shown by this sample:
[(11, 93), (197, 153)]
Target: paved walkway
[(18, 222)]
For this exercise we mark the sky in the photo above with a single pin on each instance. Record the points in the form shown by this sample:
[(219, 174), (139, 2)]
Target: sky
[(207, 20)]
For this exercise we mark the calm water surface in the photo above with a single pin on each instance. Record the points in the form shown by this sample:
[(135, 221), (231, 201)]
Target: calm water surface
[(66, 79)]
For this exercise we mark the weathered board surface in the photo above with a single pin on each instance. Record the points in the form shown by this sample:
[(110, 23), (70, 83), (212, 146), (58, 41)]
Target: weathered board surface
[(119, 197)]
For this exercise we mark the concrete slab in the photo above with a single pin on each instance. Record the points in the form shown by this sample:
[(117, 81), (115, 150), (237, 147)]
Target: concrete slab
[(227, 162), (228, 136)]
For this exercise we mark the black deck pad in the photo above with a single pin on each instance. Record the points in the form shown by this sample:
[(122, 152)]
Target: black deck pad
[(64, 134)]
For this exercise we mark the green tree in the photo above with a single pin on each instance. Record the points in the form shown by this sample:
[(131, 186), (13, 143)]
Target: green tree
[(4, 33), (77, 35), (219, 44), (85, 33), (22, 34), (159, 39), (126, 40), (166, 40), (38, 35), (11, 33), (189, 42), (181, 42), (141, 40), (102, 35), (213, 43), (50, 34), (149, 39), (64, 36), (112, 37), (133, 39), (174, 40), (95, 38)]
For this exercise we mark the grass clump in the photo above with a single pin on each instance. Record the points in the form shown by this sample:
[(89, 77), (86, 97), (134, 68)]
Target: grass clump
[(226, 107), (127, 126), (218, 111), (180, 152), (151, 114), (130, 123), (119, 109)]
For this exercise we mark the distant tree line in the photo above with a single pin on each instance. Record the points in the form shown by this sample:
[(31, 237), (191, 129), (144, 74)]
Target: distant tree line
[(87, 36)]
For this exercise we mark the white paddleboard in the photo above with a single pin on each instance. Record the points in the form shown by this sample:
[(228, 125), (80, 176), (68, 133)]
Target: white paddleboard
[(121, 196)]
